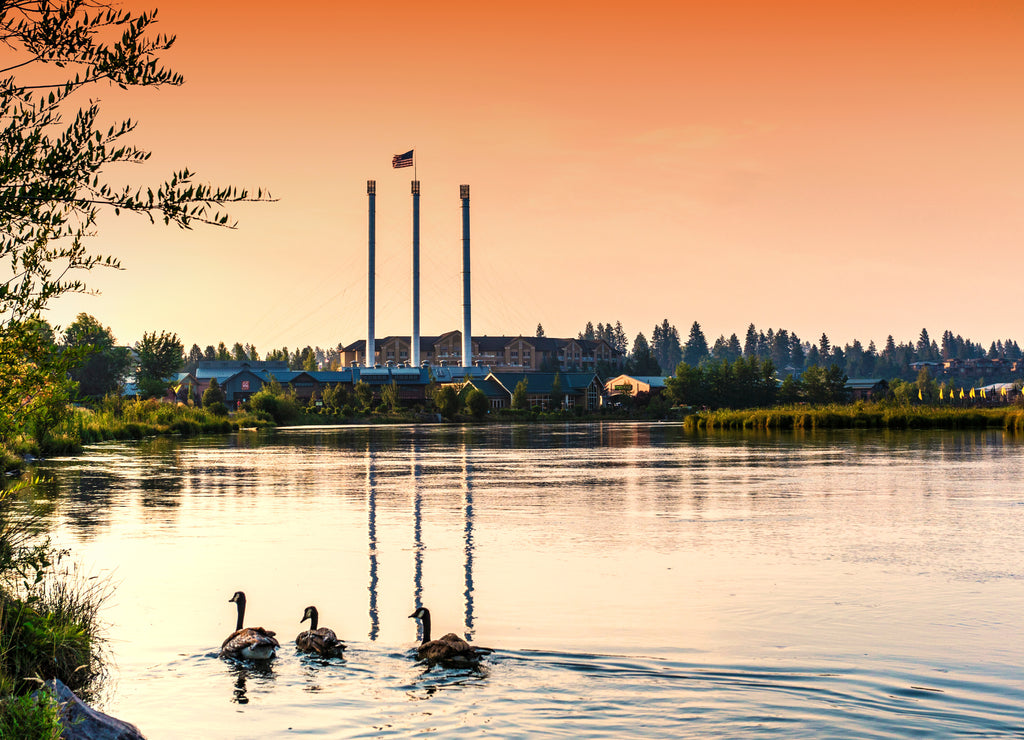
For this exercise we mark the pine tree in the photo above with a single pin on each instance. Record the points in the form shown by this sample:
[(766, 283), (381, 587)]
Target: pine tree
[(696, 349), (666, 347), (924, 346), (641, 360), (781, 349), (797, 356), (620, 343), (750, 342), (735, 351)]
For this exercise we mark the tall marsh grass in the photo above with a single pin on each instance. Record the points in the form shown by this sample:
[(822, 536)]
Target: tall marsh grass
[(49, 625), (860, 416), (116, 418)]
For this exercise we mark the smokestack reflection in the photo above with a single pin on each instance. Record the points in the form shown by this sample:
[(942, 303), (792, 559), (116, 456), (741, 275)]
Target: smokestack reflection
[(371, 528), (467, 502), (417, 539)]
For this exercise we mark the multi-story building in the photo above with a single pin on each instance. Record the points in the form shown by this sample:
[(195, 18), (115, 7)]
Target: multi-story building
[(500, 353)]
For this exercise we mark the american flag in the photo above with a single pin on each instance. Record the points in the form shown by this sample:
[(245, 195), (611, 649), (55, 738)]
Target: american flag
[(402, 160)]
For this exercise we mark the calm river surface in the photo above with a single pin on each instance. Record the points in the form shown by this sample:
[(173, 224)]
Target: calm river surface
[(635, 580)]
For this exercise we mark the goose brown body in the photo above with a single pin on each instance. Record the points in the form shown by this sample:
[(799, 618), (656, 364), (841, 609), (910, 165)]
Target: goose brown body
[(319, 640), (447, 649), (253, 643)]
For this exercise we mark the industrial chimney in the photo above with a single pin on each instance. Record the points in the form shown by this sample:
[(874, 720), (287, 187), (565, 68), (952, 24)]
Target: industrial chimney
[(371, 350), (467, 335), (414, 349)]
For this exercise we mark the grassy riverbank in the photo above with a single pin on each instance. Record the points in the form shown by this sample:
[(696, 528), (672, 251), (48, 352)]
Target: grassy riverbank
[(48, 623), (138, 419), (861, 416), (135, 420)]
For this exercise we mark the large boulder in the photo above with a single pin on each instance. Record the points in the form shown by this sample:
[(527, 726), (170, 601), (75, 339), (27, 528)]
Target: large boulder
[(82, 722)]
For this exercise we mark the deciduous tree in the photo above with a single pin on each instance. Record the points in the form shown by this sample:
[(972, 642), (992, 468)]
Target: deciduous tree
[(477, 403), (56, 162), (97, 364), (519, 394), (160, 356)]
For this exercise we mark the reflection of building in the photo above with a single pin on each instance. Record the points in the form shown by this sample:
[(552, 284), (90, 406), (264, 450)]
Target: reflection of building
[(527, 354)]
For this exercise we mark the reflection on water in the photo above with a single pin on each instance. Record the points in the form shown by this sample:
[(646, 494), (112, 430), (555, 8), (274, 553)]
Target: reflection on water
[(636, 579), (259, 673), (417, 537), (371, 528), (467, 496)]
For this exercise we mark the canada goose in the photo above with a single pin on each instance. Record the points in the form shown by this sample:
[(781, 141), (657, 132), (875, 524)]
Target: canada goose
[(254, 643), (321, 641), (448, 649)]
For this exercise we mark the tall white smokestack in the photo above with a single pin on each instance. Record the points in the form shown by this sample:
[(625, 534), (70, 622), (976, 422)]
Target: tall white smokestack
[(371, 350), (467, 334), (414, 349)]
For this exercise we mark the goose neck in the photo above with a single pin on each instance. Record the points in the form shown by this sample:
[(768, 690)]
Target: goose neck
[(425, 620)]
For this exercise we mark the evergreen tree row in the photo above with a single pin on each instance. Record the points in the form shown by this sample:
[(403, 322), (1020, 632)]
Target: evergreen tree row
[(790, 354)]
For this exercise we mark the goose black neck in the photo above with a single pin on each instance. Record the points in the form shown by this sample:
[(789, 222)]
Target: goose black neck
[(425, 620), (313, 619), (241, 613)]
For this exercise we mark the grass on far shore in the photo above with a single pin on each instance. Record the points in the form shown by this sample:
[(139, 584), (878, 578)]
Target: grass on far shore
[(136, 419), (861, 415)]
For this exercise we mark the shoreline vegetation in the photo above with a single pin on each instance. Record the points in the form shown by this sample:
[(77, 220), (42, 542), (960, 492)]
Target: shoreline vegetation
[(49, 625), (861, 415), (137, 419)]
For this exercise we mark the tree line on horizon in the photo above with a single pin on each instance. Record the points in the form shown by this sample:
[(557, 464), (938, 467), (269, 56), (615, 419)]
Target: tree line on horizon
[(790, 354), (102, 366)]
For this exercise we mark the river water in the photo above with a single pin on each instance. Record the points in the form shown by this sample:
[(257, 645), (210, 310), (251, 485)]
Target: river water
[(635, 580)]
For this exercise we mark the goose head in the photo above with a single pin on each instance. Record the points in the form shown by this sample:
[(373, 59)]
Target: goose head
[(311, 615), (421, 613), (238, 598)]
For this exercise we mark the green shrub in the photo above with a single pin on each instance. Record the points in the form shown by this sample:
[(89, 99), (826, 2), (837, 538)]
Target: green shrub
[(30, 717), (39, 643), (280, 405), (477, 403), (48, 617)]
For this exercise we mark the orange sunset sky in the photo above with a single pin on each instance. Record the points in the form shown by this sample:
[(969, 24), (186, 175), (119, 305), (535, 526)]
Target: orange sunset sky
[(849, 167)]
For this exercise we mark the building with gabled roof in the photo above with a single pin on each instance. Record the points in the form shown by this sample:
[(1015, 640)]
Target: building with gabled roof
[(634, 385), (499, 353), (583, 389)]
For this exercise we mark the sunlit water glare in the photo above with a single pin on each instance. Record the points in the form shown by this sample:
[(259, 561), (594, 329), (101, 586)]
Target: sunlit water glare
[(635, 580)]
